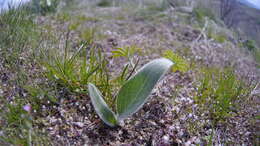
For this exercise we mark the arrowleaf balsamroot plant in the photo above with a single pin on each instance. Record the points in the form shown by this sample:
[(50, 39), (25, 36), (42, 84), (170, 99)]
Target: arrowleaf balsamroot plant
[(133, 94)]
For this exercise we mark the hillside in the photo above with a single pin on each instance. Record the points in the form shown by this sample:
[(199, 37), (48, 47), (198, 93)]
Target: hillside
[(48, 56), (239, 16)]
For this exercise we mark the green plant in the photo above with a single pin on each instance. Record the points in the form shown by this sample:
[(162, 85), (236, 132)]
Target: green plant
[(180, 64), (77, 69), (151, 12), (201, 13), (250, 45), (127, 52), (257, 57), (220, 92), (63, 17), (218, 36), (88, 35), (104, 3), (45, 6), (133, 94), (17, 34), (17, 128)]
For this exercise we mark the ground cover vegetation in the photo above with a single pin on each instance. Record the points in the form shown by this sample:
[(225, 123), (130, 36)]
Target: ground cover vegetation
[(65, 66)]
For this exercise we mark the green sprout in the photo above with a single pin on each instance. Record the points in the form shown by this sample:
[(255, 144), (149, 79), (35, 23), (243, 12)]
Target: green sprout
[(133, 94), (180, 64)]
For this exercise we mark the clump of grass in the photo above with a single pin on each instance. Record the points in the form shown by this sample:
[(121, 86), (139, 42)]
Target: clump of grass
[(76, 69), (17, 34), (220, 93)]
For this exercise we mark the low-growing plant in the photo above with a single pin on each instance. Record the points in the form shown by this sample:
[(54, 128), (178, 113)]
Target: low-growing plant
[(180, 63), (45, 6), (220, 93), (127, 52), (63, 17), (17, 127), (88, 35), (133, 94), (253, 48), (77, 69), (104, 3), (17, 33), (151, 11), (201, 13), (218, 36), (250, 45), (257, 57)]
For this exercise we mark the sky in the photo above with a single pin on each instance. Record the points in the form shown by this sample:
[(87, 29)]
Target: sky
[(252, 3), (255, 2), (5, 3)]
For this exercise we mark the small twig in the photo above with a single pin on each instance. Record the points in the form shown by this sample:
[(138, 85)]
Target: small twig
[(254, 91), (133, 70), (202, 33)]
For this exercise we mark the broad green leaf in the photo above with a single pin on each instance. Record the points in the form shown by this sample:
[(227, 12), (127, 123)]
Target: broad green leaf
[(100, 106), (136, 90)]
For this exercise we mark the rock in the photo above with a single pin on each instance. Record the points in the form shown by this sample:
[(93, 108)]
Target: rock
[(79, 124)]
